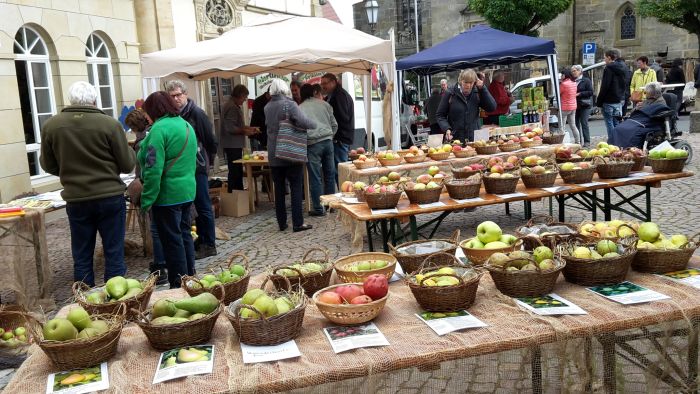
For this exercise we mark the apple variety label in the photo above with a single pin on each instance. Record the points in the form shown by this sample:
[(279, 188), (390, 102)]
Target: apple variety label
[(350, 200), (690, 277), (555, 189), (384, 211), (185, 361), (446, 322), (344, 338), (398, 274), (511, 195), (468, 200), (261, 354), (433, 204), (591, 184), (77, 381), (628, 293), (549, 305), (640, 174)]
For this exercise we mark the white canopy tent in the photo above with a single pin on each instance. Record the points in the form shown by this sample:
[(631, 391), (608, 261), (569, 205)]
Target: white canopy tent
[(280, 45)]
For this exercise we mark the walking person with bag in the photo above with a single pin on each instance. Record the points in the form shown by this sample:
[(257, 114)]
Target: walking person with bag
[(458, 112), (584, 103), (287, 152)]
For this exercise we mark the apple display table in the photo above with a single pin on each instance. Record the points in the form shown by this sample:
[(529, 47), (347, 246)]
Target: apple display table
[(249, 164)]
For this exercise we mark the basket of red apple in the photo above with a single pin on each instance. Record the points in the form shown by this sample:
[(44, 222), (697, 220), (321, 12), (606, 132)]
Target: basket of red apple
[(463, 152), (353, 303), (14, 337), (358, 266), (266, 318), (659, 254), (530, 139), (446, 288), (354, 154), (363, 162), (485, 147), (553, 138), (382, 196), (460, 189), (638, 156), (565, 154), (425, 190), (108, 299), (79, 340), (666, 161), (612, 167), (538, 172), (308, 274), (469, 170), (489, 239), (440, 153), (501, 177), (414, 155), (578, 172), (524, 274), (389, 158), (597, 263), (509, 145), (233, 277)]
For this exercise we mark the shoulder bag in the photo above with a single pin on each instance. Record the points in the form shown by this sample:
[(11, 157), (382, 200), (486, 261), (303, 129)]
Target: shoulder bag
[(291, 140)]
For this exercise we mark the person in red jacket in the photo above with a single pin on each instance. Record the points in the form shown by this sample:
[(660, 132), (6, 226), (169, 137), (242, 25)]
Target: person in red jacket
[(501, 95), (567, 89)]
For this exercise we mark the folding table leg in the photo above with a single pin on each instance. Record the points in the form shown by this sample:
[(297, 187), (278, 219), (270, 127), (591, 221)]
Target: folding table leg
[(536, 366), (648, 201), (561, 200), (693, 354), (607, 212), (385, 235), (608, 343), (368, 225), (508, 209)]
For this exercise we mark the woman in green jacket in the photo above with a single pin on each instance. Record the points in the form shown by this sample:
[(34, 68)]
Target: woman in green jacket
[(168, 161)]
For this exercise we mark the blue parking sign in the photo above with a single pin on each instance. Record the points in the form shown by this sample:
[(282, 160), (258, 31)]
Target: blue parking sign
[(589, 53)]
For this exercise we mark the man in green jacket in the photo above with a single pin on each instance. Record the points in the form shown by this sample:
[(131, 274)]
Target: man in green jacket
[(87, 150)]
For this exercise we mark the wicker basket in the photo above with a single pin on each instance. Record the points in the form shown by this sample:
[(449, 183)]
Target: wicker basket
[(360, 195), (268, 331), (231, 290), (349, 314), (667, 166), (487, 150), (531, 143), (460, 189), (611, 169), (439, 155), (583, 175), (500, 185), (139, 302), (553, 139), (11, 317), (445, 298), (479, 256), (382, 200), (573, 159), (426, 196), (531, 241), (463, 174), (82, 352), (661, 261), (509, 147), (171, 336), (369, 163), (410, 263), (639, 163), (464, 153), (345, 275), (525, 283), (391, 162), (533, 181), (415, 159), (309, 282), (589, 272)]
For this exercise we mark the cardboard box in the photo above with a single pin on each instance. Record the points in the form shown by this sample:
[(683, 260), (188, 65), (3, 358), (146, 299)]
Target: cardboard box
[(234, 204)]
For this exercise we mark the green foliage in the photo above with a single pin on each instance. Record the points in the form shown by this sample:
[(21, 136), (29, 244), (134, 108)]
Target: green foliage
[(519, 16), (680, 13)]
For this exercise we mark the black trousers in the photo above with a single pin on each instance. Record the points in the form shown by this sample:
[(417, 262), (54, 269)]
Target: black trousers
[(295, 175), (235, 171)]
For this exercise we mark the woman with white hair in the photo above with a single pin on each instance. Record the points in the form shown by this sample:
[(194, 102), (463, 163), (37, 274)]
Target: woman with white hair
[(281, 107), (584, 102), (653, 94), (647, 118)]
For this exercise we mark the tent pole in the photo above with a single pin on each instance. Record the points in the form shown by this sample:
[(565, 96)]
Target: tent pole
[(553, 72)]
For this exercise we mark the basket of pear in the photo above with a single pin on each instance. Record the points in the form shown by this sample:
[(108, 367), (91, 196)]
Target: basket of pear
[(489, 240), (358, 266), (447, 288), (308, 274), (183, 322), (132, 293), (14, 337), (612, 230), (667, 160), (79, 340), (658, 254), (382, 196), (524, 274), (600, 263), (233, 279), (262, 318), (538, 172)]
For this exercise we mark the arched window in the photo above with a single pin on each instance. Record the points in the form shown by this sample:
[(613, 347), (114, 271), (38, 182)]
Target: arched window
[(99, 70), (33, 72), (628, 24)]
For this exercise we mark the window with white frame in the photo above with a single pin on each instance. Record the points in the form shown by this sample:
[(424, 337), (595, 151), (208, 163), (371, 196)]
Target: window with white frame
[(99, 70), (37, 100)]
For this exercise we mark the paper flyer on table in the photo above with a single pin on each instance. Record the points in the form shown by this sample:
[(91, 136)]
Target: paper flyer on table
[(555, 189), (384, 211), (590, 184), (78, 381), (690, 277), (640, 174), (185, 361), (398, 274), (628, 293), (346, 338), (350, 200), (433, 204), (511, 195), (468, 200), (550, 304), (261, 354), (444, 323)]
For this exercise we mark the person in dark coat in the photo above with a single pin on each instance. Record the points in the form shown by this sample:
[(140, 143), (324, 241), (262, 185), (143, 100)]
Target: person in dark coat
[(676, 75), (431, 107), (458, 113), (257, 118), (643, 120), (344, 113), (584, 102), (613, 86)]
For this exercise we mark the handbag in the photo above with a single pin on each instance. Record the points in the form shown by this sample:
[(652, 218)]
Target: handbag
[(636, 96), (291, 140)]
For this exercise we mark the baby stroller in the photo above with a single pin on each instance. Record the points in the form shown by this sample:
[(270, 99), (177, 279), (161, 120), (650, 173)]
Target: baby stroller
[(670, 130)]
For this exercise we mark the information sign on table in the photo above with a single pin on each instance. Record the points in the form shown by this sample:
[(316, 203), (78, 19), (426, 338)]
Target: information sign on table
[(344, 338), (511, 195), (186, 361), (261, 354), (468, 200), (398, 274), (432, 204), (591, 184), (78, 381), (549, 305), (628, 293), (384, 211), (444, 323), (555, 189), (350, 200), (640, 174), (690, 277)]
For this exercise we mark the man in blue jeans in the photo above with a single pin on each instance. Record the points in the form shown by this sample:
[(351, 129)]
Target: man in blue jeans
[(612, 90), (344, 113), (87, 149)]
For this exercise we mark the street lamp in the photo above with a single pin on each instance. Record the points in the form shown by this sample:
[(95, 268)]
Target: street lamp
[(372, 9)]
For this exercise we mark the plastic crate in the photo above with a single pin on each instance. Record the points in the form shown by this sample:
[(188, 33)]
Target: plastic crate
[(510, 120)]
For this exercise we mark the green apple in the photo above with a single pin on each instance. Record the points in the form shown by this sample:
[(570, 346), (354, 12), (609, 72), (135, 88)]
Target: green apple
[(595, 255), (582, 252), (474, 243), (498, 259), (495, 245), (508, 239), (210, 278), (265, 305), (59, 330), (376, 264), (679, 240), (567, 166), (283, 305), (433, 170), (19, 331), (649, 231), (488, 231), (88, 332), (96, 297), (79, 318), (7, 335), (606, 246), (364, 266), (542, 253), (238, 270), (226, 277), (610, 255), (116, 286), (100, 326), (133, 284)]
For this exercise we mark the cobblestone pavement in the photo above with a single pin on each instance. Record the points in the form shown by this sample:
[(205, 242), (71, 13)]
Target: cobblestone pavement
[(676, 208)]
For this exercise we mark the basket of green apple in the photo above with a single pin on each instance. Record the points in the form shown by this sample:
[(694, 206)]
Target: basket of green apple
[(358, 266), (183, 322), (411, 255), (14, 337), (501, 177), (440, 153), (665, 161), (307, 274), (382, 196), (233, 277), (601, 263), (389, 158), (489, 240), (107, 299), (79, 340), (426, 189), (266, 318), (444, 288), (524, 274), (538, 172), (658, 254)]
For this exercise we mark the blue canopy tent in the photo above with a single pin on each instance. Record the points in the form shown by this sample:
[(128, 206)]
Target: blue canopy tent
[(480, 46)]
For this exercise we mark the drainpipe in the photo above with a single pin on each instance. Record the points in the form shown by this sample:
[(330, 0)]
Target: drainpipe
[(573, 35)]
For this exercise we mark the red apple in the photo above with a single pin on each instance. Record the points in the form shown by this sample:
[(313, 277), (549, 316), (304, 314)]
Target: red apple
[(495, 160), (376, 286), (329, 297), (348, 292), (360, 150), (363, 299)]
